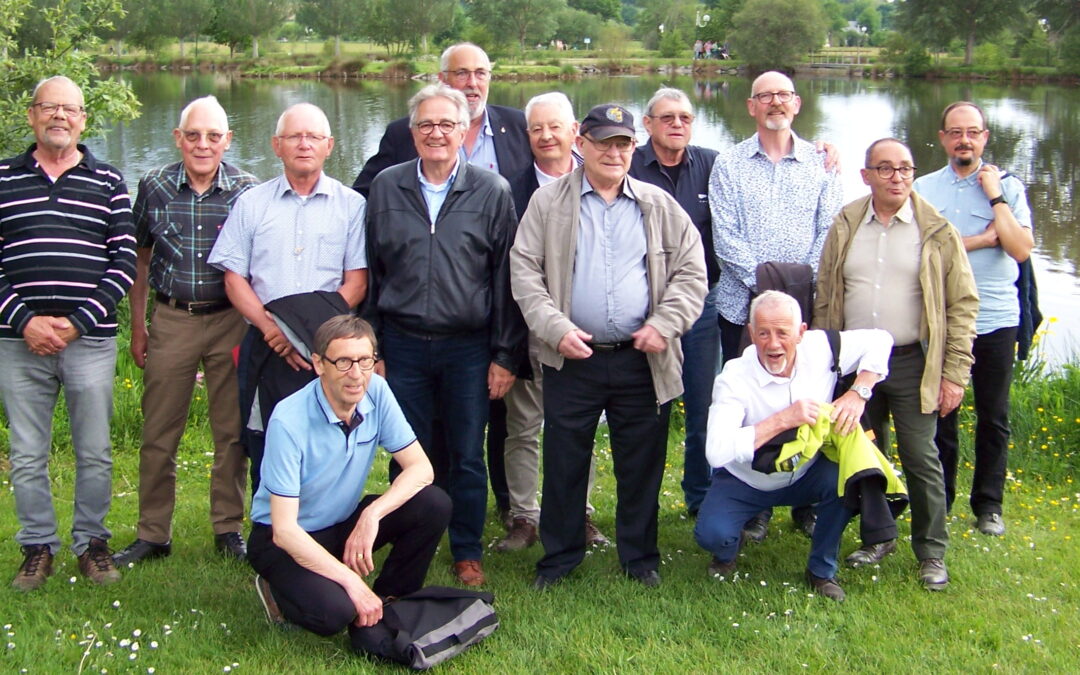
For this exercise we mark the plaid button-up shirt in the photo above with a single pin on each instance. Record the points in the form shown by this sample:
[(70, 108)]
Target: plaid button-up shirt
[(182, 227)]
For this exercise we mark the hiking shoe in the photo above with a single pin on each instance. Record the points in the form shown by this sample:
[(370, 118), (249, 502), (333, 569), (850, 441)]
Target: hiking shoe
[(593, 535), (869, 555), (140, 550), (522, 535), (96, 563), (991, 524), (35, 569), (830, 588), (932, 574), (266, 597)]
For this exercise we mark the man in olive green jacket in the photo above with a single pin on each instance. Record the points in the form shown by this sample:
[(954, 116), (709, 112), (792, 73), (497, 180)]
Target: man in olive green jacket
[(892, 261)]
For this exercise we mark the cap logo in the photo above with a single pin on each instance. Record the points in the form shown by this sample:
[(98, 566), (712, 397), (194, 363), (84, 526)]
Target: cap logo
[(615, 115)]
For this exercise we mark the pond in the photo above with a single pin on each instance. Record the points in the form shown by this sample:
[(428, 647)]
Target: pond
[(1033, 129)]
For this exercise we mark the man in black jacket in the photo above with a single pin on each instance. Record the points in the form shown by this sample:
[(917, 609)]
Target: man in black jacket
[(439, 236), (494, 140)]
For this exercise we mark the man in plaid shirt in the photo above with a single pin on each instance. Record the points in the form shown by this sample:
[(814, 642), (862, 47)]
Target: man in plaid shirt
[(179, 211)]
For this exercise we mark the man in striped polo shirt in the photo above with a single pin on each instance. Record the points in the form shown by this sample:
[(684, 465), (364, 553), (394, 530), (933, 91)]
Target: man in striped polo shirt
[(67, 258)]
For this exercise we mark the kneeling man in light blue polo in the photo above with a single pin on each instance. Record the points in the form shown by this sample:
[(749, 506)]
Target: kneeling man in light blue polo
[(312, 535)]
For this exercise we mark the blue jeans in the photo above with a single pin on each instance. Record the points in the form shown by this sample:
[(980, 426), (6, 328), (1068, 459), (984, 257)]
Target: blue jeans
[(731, 502), (29, 385), (447, 378), (701, 358)]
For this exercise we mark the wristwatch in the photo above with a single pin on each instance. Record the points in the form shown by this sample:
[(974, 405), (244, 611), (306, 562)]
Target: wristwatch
[(863, 392), (1000, 199)]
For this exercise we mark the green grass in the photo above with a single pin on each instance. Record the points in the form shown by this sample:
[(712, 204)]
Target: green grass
[(1013, 605)]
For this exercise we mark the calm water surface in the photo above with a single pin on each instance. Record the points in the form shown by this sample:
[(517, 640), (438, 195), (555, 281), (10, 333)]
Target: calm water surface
[(1033, 129)]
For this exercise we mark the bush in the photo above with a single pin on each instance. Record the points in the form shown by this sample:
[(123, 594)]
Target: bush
[(1036, 50), (988, 56), (672, 44)]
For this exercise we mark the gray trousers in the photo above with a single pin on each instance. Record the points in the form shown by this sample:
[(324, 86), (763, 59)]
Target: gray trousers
[(29, 385)]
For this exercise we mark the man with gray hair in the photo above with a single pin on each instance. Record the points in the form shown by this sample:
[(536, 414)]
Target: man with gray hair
[(300, 232), (179, 211), (67, 258), (682, 170), (439, 232), (777, 385), (494, 139)]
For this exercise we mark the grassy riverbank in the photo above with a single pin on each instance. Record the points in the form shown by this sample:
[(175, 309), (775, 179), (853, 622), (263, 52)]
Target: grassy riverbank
[(1013, 604)]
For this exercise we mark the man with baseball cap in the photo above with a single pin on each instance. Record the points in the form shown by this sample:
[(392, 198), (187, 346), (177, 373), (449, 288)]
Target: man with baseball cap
[(609, 272)]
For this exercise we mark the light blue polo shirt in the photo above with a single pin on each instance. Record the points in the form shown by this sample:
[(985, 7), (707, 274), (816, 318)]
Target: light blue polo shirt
[(965, 205), (309, 456)]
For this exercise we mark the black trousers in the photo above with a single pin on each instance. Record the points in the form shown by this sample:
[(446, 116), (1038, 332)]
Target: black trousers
[(991, 376), (621, 384), (320, 605)]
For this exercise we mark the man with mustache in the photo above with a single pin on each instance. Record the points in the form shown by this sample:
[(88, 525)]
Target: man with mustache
[(991, 211)]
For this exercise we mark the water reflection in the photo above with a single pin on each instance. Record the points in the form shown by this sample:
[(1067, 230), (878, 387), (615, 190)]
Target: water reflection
[(1032, 132)]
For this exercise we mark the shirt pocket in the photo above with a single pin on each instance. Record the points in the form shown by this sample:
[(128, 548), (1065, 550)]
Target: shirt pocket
[(168, 234)]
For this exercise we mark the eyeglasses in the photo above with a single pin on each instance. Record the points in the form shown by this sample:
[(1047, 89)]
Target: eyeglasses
[(767, 97), (462, 75), (445, 126), (668, 119), (957, 133), (344, 364), (51, 108), (620, 143), (211, 136), (886, 171), (296, 139)]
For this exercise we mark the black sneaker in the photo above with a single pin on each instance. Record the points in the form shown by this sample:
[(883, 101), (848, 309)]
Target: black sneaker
[(231, 545), (140, 550)]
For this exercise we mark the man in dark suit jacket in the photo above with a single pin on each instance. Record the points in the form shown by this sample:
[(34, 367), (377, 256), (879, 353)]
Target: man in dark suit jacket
[(495, 140)]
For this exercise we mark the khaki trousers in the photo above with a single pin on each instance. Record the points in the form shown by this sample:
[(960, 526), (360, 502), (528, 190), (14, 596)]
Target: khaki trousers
[(178, 343)]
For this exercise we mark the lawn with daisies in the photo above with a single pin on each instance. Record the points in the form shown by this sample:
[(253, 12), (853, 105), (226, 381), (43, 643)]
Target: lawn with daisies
[(1013, 604)]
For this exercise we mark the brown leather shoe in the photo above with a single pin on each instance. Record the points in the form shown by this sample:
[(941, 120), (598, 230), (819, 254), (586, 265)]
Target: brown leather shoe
[(721, 570), (469, 572), (522, 535), (35, 569), (593, 535), (830, 588), (266, 597), (96, 563)]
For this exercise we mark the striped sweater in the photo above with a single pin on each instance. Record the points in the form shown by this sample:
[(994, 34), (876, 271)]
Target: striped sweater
[(66, 248)]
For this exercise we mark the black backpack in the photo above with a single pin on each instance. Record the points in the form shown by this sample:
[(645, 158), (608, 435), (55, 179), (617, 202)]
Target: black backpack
[(427, 627)]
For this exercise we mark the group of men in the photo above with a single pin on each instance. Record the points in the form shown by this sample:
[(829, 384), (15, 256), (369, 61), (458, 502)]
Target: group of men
[(631, 271)]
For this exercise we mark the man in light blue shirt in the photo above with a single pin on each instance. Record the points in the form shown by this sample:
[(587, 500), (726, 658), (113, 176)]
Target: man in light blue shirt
[(313, 536), (991, 212)]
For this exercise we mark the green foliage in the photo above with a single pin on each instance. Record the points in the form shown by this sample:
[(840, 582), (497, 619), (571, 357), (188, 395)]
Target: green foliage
[(527, 22), (777, 33), (237, 21), (1070, 51), (910, 56), (75, 25), (574, 25), (1036, 50), (676, 16), (673, 44), (937, 23), (605, 9), (331, 19), (988, 56), (614, 41)]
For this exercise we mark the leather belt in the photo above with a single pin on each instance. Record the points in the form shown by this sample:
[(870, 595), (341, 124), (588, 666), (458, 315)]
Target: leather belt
[(193, 308), (904, 350), (610, 346)]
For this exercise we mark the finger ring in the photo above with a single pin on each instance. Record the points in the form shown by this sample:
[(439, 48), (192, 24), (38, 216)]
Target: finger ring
[(360, 556)]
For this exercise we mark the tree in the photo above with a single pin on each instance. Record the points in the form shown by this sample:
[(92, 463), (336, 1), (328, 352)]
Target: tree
[(677, 18), (526, 21), (235, 20), (400, 24), (331, 18), (936, 23), (574, 25), (74, 25), (777, 33), (605, 9)]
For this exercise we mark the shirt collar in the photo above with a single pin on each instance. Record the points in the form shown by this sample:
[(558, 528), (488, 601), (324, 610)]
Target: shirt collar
[(905, 215), (763, 377), (27, 159), (425, 183), (321, 187), (222, 179), (648, 153), (625, 191), (800, 151), (970, 178), (363, 408)]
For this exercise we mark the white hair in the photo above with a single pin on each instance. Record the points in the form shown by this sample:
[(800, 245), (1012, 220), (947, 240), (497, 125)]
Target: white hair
[(555, 98), (298, 106), (668, 93), (778, 299), (440, 90), (212, 104), (444, 60), (56, 78)]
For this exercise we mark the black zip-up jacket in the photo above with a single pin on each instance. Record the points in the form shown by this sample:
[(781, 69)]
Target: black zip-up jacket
[(450, 278)]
